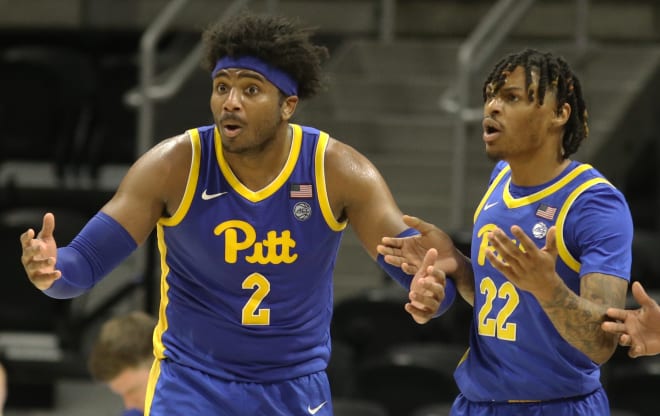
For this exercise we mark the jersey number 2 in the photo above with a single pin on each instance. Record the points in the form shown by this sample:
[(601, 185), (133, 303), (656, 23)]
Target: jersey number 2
[(251, 313)]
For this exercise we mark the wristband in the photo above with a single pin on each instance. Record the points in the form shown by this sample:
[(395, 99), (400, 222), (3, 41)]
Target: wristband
[(450, 296), (394, 272)]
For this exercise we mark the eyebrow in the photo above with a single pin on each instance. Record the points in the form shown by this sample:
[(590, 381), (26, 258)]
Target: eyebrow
[(510, 88)]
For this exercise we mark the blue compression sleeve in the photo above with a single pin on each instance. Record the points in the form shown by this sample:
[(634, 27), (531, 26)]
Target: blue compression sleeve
[(394, 272), (450, 295), (405, 279), (99, 247)]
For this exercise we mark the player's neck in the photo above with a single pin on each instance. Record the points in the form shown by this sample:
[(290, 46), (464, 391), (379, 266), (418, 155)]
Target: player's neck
[(533, 173), (257, 170)]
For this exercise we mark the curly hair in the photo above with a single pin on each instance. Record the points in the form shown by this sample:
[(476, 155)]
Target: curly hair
[(276, 40), (554, 73), (124, 342)]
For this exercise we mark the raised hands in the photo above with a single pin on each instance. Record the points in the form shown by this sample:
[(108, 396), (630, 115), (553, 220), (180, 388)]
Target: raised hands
[(638, 329), (40, 254)]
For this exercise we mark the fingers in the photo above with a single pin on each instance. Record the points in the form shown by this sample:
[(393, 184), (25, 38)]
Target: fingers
[(641, 296), (613, 327), (427, 296), (27, 237), (430, 258), (427, 289), (617, 314), (40, 271), (551, 241), (390, 246), (419, 315), (526, 242), (45, 280), (417, 223), (409, 268), (47, 227), (636, 351)]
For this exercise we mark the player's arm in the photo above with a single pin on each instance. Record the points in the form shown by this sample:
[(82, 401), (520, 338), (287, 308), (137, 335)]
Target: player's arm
[(358, 193), (149, 189), (152, 188)]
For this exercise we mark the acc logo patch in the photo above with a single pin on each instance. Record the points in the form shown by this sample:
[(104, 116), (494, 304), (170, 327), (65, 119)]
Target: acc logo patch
[(302, 211), (539, 230)]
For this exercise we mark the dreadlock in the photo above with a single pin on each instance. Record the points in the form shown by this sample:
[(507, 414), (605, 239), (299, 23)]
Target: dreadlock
[(555, 74), (280, 42)]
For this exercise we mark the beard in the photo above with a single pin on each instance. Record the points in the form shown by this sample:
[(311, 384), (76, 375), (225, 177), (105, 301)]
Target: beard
[(255, 139)]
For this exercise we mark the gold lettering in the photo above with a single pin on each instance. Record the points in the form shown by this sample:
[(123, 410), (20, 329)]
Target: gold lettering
[(273, 250), (232, 245)]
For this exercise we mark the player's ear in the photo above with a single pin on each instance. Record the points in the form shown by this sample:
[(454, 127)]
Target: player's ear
[(289, 106), (561, 115)]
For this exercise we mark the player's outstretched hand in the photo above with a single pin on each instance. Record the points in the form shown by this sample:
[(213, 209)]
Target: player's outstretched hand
[(408, 252), (638, 329), (40, 254)]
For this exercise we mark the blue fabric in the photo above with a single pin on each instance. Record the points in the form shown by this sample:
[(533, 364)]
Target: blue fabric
[(132, 412), (99, 247), (394, 272), (181, 390), (450, 295), (276, 76), (593, 404)]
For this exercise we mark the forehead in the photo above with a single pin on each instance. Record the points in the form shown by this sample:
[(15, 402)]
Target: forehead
[(513, 79), (518, 76)]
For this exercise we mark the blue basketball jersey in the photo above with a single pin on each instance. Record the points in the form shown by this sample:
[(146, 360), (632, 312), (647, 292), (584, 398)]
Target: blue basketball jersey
[(515, 351), (246, 287)]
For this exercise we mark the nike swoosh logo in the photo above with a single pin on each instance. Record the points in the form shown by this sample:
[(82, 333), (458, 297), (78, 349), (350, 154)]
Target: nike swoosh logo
[(313, 411), (492, 204), (206, 196)]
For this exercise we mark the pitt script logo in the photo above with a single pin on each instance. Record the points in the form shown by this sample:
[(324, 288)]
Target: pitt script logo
[(485, 244), (273, 250)]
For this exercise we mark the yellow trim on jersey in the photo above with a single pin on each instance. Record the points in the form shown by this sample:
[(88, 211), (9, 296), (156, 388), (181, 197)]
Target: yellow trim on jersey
[(564, 254), (271, 188), (191, 183), (151, 386), (512, 202), (321, 190), (492, 186), (161, 327)]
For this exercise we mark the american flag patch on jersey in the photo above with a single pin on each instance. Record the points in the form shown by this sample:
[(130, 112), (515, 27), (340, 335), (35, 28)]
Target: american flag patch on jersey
[(300, 190), (546, 211)]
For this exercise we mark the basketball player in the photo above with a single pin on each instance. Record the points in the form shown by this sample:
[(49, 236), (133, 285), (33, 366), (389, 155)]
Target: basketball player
[(550, 252), (638, 329), (121, 357), (249, 214)]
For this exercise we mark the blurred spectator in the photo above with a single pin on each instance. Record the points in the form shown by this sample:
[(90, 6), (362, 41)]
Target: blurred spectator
[(122, 356)]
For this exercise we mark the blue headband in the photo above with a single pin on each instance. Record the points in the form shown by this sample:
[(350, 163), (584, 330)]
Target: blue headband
[(276, 76)]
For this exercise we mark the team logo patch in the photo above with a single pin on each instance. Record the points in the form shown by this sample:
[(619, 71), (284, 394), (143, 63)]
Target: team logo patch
[(539, 230), (302, 211)]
